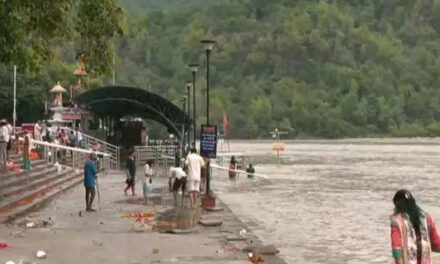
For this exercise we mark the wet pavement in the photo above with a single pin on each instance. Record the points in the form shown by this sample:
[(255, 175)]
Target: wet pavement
[(126, 230), (330, 201)]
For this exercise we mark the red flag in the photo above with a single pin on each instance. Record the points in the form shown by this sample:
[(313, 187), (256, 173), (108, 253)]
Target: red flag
[(225, 123)]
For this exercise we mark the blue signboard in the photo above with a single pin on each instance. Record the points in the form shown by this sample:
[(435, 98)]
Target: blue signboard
[(208, 141)]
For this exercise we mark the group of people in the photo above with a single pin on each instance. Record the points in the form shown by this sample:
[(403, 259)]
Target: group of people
[(44, 132), (185, 175), (233, 167)]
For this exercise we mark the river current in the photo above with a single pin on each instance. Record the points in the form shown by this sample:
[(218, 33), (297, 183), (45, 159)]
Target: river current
[(330, 201)]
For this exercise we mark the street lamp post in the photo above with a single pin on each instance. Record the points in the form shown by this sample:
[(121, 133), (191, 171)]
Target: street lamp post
[(183, 124), (194, 68), (209, 46), (188, 94)]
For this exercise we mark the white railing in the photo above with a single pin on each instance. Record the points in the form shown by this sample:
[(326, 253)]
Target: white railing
[(72, 157), (90, 142)]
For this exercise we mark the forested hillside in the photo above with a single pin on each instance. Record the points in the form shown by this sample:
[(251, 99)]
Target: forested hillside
[(330, 69)]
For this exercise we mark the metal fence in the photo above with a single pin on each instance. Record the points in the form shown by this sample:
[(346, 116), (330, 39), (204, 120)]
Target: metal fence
[(69, 156), (157, 153), (94, 143)]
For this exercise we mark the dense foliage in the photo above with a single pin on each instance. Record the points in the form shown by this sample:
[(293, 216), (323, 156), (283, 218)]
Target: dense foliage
[(314, 68), (43, 38), (334, 68)]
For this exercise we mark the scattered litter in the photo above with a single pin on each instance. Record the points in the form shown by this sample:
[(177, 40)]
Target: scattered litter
[(58, 167), (30, 225), (174, 260), (10, 262), (41, 254), (254, 257), (156, 251), (242, 232), (3, 245), (80, 214)]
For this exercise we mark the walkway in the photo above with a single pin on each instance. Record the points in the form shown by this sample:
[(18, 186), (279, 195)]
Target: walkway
[(112, 235)]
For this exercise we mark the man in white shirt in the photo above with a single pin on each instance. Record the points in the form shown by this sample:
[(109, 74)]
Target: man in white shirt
[(4, 138), (195, 163)]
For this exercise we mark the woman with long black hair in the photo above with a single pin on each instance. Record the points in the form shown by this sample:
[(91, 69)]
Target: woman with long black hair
[(413, 232)]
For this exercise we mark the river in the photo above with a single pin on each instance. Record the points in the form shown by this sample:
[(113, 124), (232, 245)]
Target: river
[(330, 201)]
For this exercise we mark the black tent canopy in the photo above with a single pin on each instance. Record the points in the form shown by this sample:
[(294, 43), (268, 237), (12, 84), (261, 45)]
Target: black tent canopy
[(121, 101)]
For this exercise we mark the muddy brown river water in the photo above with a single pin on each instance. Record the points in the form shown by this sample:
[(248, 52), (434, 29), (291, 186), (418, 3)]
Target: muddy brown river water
[(330, 201)]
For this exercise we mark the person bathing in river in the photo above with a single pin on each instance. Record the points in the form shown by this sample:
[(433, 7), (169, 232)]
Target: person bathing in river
[(250, 171), (232, 168), (413, 232)]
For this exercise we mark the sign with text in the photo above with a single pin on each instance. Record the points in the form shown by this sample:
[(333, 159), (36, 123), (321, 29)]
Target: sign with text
[(208, 141)]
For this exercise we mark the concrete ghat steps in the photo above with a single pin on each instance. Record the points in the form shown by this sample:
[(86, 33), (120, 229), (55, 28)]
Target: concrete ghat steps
[(34, 183), (22, 203), (36, 164), (23, 178)]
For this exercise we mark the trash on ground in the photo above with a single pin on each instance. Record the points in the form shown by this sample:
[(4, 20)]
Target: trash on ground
[(30, 225), (156, 251), (41, 254), (254, 257), (3, 245), (10, 262), (242, 232)]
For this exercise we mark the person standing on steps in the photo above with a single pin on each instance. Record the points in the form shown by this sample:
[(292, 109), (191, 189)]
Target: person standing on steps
[(90, 172), (413, 232), (195, 163), (26, 150), (131, 174)]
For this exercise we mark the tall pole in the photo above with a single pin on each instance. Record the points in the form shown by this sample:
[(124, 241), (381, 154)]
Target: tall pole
[(194, 105), (14, 112), (183, 124), (208, 52), (188, 87)]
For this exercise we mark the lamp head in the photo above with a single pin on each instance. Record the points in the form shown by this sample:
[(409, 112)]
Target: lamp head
[(194, 67), (208, 44)]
